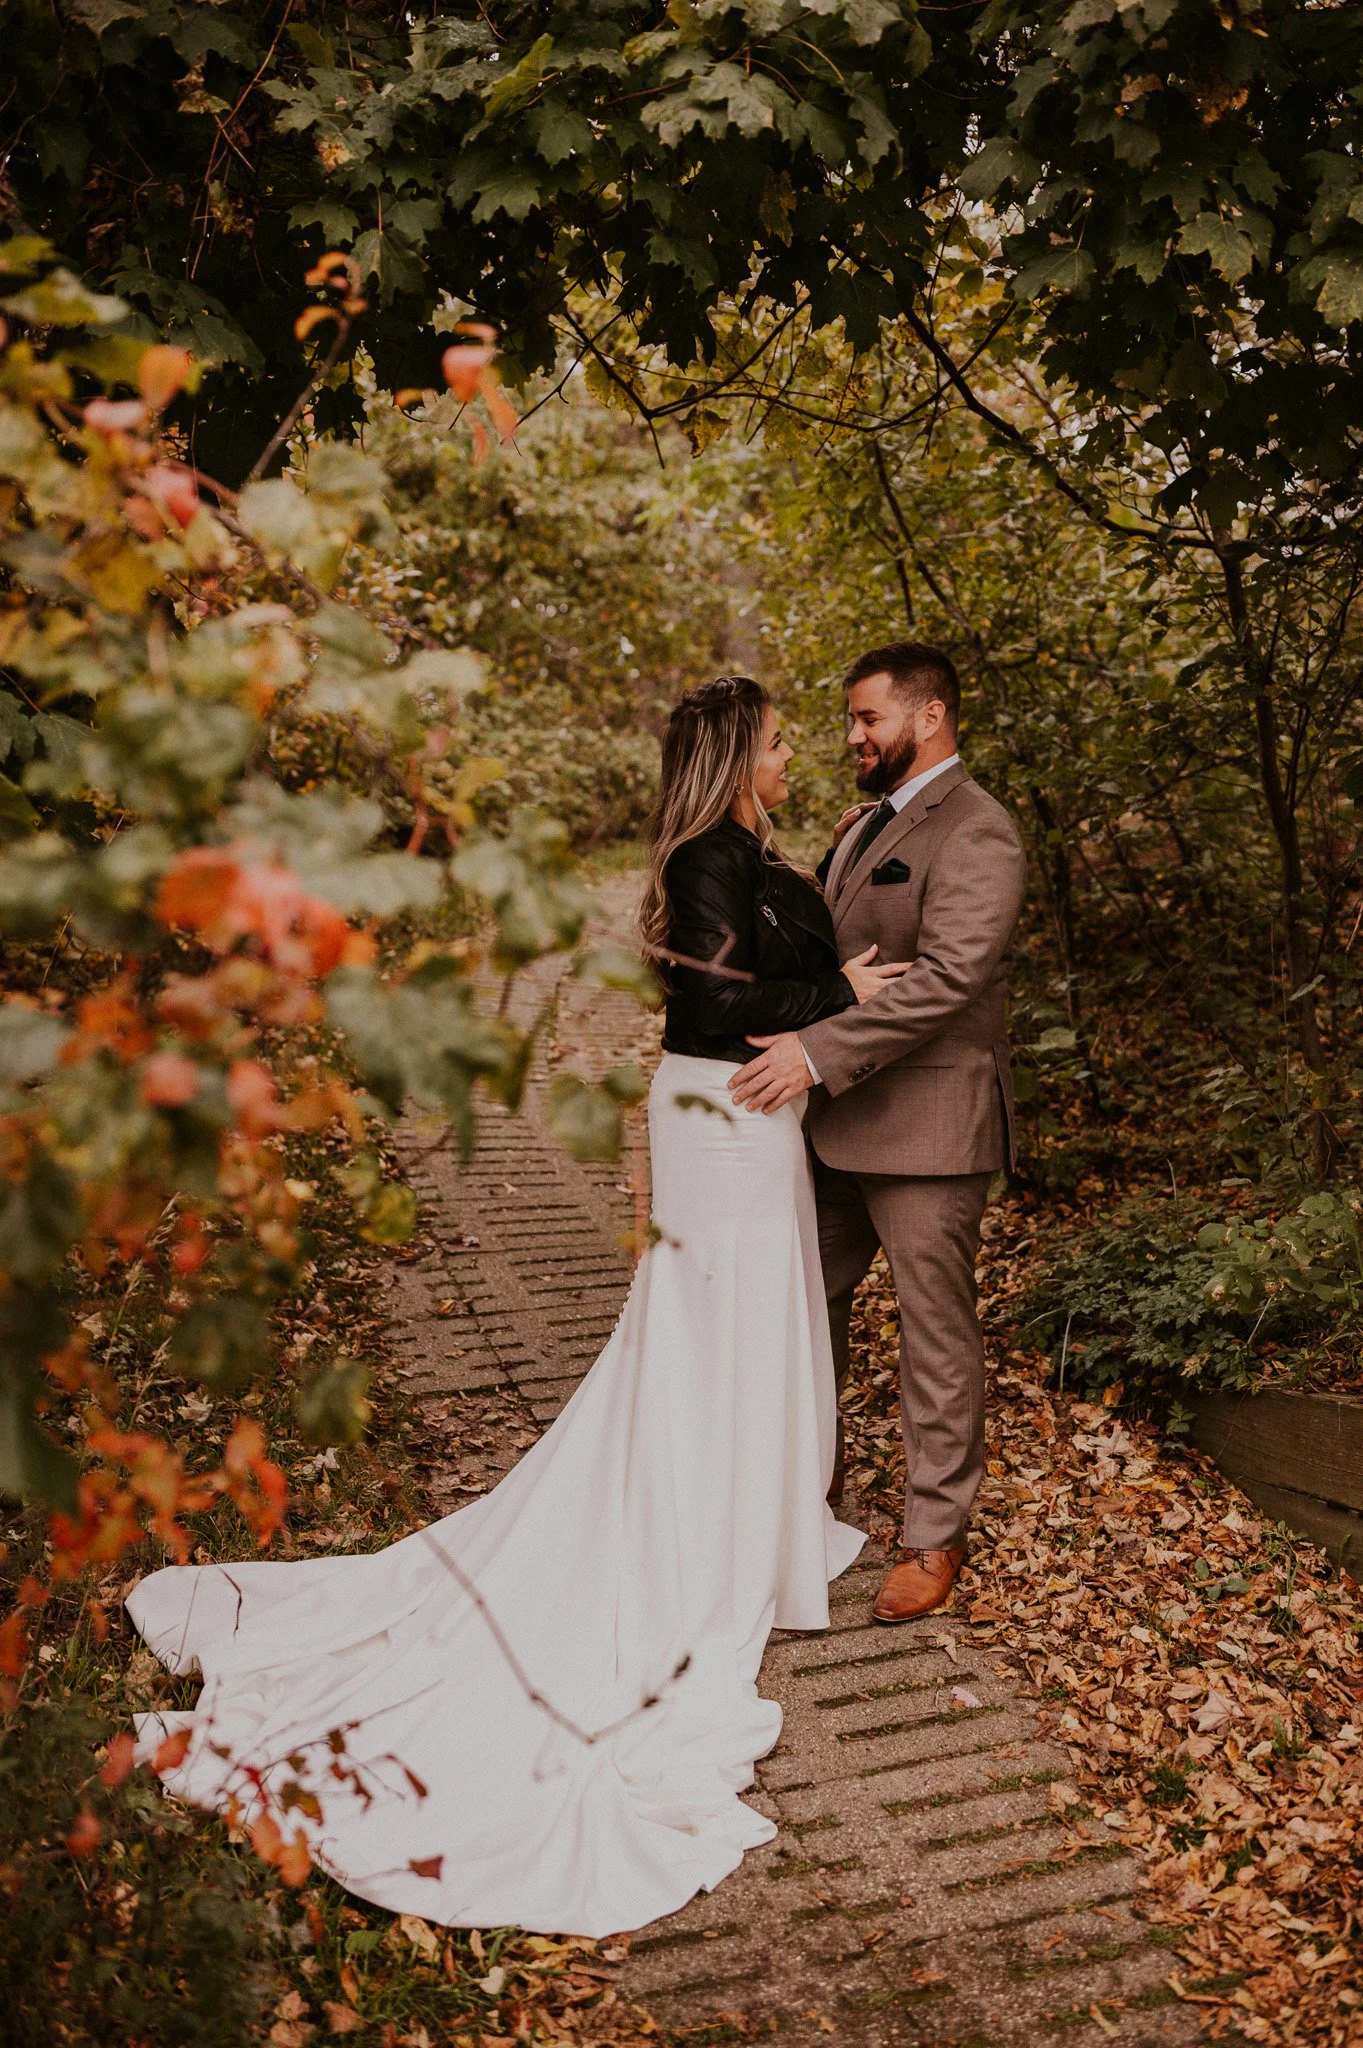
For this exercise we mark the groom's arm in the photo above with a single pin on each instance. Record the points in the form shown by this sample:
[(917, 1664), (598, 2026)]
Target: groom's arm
[(970, 909)]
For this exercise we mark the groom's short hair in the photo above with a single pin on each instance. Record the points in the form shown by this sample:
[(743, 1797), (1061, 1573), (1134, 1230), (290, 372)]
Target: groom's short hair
[(920, 674)]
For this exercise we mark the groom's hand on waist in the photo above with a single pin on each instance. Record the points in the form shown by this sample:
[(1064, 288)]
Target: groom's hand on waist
[(775, 1077)]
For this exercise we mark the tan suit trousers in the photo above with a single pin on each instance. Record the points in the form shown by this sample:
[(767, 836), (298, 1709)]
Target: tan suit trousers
[(930, 1229)]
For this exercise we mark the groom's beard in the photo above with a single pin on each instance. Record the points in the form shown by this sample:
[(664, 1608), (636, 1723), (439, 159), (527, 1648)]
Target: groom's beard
[(888, 768)]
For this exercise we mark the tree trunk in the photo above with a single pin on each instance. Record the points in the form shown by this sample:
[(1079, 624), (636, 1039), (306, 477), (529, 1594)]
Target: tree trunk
[(1282, 815)]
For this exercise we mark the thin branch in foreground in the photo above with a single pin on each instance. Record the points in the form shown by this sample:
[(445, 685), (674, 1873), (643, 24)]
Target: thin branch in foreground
[(522, 1676)]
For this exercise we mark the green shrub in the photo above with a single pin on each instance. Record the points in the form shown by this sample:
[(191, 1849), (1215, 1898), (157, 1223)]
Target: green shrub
[(1146, 1302), (156, 1942)]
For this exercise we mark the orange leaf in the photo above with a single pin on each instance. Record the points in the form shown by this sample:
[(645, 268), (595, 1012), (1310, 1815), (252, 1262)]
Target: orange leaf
[(161, 373), (310, 318), (463, 366), (197, 888), (293, 1861), (119, 1762), (171, 1752), (426, 1866), (265, 1837), (85, 1835), (169, 1079), (504, 414), (411, 394), (335, 268)]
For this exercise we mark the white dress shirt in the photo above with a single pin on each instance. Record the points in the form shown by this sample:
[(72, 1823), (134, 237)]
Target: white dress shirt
[(897, 799)]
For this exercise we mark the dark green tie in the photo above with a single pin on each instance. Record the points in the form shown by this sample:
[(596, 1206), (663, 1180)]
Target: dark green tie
[(872, 829)]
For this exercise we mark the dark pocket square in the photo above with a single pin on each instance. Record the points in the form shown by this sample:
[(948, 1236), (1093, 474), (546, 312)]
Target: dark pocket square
[(889, 871)]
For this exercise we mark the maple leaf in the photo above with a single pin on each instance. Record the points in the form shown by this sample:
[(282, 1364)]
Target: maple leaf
[(119, 1761)]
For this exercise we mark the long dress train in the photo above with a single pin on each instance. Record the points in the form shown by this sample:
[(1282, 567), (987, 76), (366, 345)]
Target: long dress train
[(634, 1563)]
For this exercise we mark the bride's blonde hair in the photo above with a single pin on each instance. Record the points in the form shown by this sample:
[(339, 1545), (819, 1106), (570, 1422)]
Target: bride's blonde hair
[(712, 745)]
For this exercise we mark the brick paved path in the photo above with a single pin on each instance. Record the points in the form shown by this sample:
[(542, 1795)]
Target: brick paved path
[(914, 1893)]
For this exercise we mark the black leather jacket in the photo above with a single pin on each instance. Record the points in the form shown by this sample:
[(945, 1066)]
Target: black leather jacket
[(773, 924)]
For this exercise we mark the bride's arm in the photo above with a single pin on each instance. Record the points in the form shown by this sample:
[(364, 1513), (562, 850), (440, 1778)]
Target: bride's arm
[(711, 892)]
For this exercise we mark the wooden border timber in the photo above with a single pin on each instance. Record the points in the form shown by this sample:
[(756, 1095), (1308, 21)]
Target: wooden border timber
[(1299, 1457)]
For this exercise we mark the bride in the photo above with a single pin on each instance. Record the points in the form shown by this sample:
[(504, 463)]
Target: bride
[(541, 1710)]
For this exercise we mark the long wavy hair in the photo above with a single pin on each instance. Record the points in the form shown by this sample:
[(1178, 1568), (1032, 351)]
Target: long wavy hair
[(713, 743)]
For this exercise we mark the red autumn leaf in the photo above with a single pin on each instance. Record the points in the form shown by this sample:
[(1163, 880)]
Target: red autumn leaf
[(463, 366), (427, 1866), (162, 372), (110, 1021), (32, 1593), (169, 1079), (171, 1753), (13, 1646), (173, 489), (85, 1835), (119, 1762), (191, 1248), (197, 888), (251, 1093)]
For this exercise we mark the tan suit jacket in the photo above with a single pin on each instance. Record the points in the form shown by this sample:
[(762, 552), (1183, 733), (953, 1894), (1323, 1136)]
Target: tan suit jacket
[(918, 1080)]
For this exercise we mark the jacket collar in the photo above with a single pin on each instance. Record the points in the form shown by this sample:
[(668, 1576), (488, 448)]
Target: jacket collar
[(847, 878)]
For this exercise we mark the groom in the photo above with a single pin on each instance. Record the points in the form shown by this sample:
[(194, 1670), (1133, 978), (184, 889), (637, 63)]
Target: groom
[(911, 1113)]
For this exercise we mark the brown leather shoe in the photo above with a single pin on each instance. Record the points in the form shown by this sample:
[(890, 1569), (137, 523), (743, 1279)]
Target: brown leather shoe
[(922, 1580)]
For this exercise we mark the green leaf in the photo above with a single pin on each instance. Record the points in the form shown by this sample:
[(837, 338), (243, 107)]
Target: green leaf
[(17, 815), (1060, 270), (1001, 161), (331, 1407), (1340, 296), (61, 300), (32, 1467), (869, 19), (99, 15), (390, 1217), (512, 88), (40, 1219), (626, 1084), (30, 1041), (616, 967), (278, 515), (585, 1121), (221, 1342), (560, 133), (1230, 249)]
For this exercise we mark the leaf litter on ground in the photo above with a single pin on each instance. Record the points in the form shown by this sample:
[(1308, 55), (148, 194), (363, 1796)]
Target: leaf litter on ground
[(1200, 1666)]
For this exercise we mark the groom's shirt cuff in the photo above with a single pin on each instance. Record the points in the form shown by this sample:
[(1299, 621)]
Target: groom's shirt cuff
[(813, 1070)]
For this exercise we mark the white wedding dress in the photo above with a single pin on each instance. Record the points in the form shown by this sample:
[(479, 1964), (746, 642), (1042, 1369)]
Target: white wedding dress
[(634, 1561)]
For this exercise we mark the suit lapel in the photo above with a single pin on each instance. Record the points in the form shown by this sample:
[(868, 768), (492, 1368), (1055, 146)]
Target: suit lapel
[(850, 877)]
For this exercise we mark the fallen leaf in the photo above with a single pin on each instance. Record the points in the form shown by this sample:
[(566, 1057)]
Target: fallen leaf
[(962, 1696), (1216, 1711), (420, 1934), (493, 1982), (342, 2019), (426, 1866), (292, 2006)]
